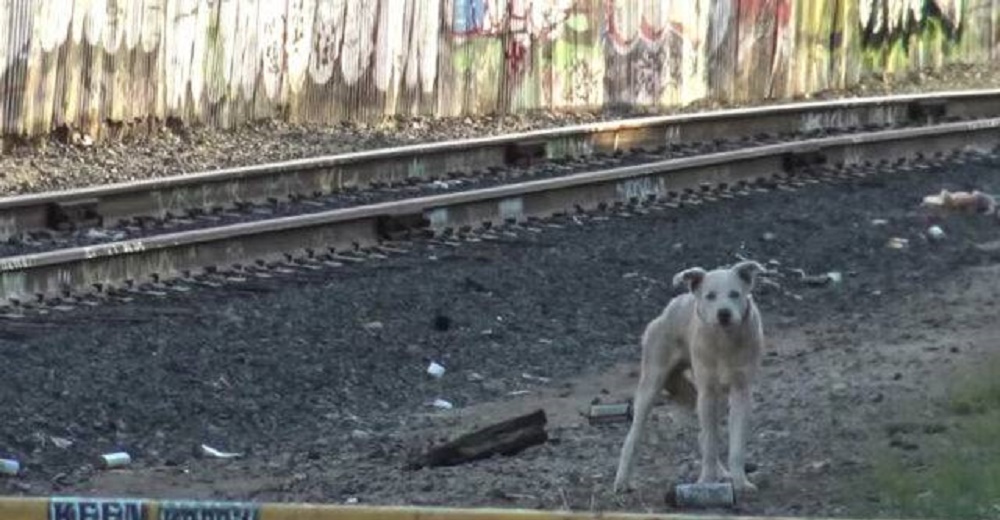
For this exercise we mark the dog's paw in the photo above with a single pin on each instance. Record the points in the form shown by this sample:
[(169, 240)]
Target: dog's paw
[(707, 477), (744, 487), (620, 484)]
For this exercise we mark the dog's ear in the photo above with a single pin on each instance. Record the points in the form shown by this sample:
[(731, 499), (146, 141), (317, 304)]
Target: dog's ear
[(691, 277), (748, 270)]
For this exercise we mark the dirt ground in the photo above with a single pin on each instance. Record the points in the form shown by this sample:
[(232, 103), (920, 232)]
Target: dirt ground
[(319, 380), (64, 161)]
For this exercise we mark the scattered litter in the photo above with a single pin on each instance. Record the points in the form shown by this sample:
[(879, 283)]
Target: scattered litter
[(116, 460), (360, 435), (475, 376), (351, 500), (898, 243), (768, 236), (834, 277), (716, 494), (879, 221), (209, 451), (935, 232), (976, 201), (61, 442), (372, 326), (545, 341), (539, 379), (9, 467), (633, 274), (442, 404), (610, 413), (518, 392), (819, 465), (435, 370)]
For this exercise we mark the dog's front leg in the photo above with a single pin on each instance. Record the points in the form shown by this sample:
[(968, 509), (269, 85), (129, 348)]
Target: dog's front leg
[(739, 416), (708, 437)]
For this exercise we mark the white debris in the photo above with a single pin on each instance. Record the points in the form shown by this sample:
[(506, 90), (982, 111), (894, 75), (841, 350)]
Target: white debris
[(435, 370), (442, 404), (209, 451), (935, 232), (9, 467), (539, 379), (475, 376), (879, 222), (61, 442), (351, 500), (898, 243), (115, 460)]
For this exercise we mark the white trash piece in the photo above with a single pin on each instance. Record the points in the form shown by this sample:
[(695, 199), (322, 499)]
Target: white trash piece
[(435, 370), (212, 452), (9, 467), (116, 460), (935, 232), (442, 404)]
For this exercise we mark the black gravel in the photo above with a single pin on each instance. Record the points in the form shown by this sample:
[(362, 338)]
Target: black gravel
[(293, 364)]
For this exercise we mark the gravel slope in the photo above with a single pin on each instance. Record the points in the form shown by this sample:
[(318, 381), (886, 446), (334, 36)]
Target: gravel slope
[(319, 378)]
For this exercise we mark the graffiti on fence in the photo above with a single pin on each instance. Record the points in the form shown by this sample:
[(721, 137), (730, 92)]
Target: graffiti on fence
[(82, 63)]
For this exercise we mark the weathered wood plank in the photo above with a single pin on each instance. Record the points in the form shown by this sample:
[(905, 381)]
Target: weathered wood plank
[(508, 437)]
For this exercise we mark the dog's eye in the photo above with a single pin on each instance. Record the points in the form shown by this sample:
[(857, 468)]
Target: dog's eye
[(734, 294), (710, 296)]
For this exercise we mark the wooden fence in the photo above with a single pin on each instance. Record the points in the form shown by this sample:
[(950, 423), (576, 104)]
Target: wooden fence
[(94, 65)]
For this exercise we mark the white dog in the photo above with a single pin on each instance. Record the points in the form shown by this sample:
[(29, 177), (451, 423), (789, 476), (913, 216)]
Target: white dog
[(715, 328)]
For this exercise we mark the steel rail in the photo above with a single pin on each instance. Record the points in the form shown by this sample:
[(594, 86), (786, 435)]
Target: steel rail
[(305, 177), (25, 277)]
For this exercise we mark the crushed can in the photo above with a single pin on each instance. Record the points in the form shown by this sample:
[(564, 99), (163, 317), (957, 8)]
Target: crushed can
[(708, 495)]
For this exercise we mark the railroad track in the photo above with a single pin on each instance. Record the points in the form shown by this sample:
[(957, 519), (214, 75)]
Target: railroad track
[(65, 247)]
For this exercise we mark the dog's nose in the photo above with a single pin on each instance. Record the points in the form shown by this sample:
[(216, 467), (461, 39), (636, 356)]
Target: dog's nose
[(725, 316)]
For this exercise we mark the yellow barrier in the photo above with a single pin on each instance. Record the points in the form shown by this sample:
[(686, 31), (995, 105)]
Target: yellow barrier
[(86, 508)]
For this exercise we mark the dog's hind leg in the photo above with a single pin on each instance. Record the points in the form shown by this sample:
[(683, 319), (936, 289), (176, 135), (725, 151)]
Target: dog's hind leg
[(650, 383), (658, 361)]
